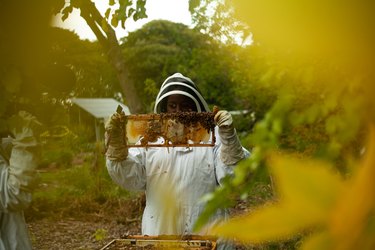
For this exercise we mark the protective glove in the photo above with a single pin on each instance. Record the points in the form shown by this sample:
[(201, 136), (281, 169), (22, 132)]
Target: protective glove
[(231, 150), (223, 119), (115, 137)]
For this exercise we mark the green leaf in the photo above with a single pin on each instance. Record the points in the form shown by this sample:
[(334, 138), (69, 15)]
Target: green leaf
[(64, 17), (277, 126), (130, 12), (111, 2), (141, 4), (66, 11), (313, 113), (193, 4), (107, 12), (308, 193), (272, 222), (100, 234), (114, 21), (307, 185), (347, 224)]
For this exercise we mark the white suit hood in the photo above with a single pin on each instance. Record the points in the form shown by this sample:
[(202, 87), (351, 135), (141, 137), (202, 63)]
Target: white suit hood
[(181, 85)]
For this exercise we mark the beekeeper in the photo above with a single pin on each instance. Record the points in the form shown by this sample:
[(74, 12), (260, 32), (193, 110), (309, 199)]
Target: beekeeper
[(174, 178), (18, 155)]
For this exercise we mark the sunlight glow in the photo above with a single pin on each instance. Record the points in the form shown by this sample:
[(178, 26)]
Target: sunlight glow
[(172, 10)]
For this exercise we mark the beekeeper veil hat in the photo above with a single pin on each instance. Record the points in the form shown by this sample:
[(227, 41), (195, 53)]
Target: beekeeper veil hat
[(177, 84)]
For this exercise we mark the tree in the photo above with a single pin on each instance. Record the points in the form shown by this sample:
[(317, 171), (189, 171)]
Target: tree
[(222, 27), (161, 48), (94, 75), (216, 19), (25, 35), (103, 30), (313, 138)]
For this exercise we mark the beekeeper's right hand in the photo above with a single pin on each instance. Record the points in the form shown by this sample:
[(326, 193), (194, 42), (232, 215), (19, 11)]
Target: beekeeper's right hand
[(115, 137)]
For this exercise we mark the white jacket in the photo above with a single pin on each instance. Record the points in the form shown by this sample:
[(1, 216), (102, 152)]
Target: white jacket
[(184, 174)]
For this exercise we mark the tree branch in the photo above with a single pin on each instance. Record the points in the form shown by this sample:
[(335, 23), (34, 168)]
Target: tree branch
[(94, 27), (107, 38), (95, 20)]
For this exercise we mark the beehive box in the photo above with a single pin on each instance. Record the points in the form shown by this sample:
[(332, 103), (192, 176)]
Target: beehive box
[(162, 242)]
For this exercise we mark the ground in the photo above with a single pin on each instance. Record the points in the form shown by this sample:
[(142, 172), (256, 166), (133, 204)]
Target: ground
[(82, 229), (70, 233), (89, 230), (89, 224)]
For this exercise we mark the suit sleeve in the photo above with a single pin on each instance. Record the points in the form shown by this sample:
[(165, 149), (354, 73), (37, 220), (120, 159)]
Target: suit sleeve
[(130, 173), (17, 175)]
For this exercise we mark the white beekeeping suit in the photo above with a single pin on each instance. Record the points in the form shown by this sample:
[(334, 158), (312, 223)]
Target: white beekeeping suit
[(175, 178), (18, 160)]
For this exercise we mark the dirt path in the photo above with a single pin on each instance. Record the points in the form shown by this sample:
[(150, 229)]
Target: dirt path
[(69, 233), (78, 229), (87, 231)]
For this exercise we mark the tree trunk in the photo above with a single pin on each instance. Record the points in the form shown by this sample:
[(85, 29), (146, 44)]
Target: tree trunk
[(116, 58), (107, 38)]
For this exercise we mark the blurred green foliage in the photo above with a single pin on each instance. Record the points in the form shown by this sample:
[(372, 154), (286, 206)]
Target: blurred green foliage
[(161, 48), (73, 191), (322, 92), (311, 99)]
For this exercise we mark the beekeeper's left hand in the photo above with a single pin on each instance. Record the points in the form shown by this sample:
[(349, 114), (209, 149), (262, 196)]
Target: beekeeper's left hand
[(223, 119), (231, 149)]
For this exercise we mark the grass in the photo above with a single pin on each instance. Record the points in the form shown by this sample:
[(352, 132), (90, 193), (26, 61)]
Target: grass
[(77, 190)]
